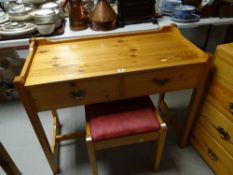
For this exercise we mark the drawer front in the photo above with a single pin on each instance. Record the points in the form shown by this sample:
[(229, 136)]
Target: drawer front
[(161, 80), (222, 92), (215, 156), (218, 126), (65, 94)]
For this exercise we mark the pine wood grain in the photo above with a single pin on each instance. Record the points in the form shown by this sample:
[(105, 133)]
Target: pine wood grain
[(213, 120), (224, 62), (215, 124), (212, 152), (77, 59)]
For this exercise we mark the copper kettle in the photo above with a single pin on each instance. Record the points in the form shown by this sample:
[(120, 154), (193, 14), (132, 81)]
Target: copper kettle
[(76, 15), (103, 17)]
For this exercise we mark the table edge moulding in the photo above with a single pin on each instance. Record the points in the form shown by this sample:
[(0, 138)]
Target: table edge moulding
[(70, 72)]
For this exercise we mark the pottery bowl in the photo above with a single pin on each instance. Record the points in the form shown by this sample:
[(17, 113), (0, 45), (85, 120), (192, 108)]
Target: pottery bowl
[(45, 29), (20, 16), (184, 12), (170, 5), (45, 16), (17, 8), (34, 1), (50, 5)]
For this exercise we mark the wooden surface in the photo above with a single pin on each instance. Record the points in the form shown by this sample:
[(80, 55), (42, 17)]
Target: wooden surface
[(83, 71), (212, 137), (213, 120), (222, 93), (224, 62), (212, 152), (101, 56)]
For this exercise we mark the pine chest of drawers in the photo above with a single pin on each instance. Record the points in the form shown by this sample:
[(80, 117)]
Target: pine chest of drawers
[(213, 135)]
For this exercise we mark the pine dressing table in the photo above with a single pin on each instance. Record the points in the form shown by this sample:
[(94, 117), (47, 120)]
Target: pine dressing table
[(72, 72)]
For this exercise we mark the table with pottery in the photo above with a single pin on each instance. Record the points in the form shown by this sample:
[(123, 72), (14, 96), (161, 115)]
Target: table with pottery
[(197, 13), (39, 18), (26, 18)]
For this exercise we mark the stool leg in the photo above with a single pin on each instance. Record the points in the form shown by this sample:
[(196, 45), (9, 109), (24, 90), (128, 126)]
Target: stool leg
[(56, 130), (91, 153), (160, 146)]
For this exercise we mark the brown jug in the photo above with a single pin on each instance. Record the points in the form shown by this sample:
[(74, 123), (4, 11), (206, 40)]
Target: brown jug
[(76, 15), (103, 17)]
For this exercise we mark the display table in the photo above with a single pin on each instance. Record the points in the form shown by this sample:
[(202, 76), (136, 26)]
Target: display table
[(65, 73)]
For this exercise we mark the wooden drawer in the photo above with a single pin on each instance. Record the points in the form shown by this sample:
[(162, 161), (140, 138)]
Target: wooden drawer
[(65, 94), (161, 80), (215, 156), (224, 62), (218, 126), (222, 93)]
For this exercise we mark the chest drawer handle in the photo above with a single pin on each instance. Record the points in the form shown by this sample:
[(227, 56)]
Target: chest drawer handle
[(161, 82), (212, 155), (223, 134), (77, 95), (231, 107)]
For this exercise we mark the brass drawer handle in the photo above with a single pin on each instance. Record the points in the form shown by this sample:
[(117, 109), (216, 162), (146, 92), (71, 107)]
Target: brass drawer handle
[(161, 82), (77, 95), (212, 155), (223, 134), (231, 107)]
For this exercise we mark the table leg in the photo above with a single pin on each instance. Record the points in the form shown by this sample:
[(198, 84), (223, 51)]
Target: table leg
[(194, 105), (36, 124), (207, 37), (7, 163)]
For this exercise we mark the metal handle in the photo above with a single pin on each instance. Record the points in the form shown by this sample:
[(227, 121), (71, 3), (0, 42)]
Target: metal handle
[(212, 155), (78, 94), (223, 134), (161, 82), (231, 107)]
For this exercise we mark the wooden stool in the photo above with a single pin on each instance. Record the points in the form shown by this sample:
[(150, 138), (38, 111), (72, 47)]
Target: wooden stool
[(123, 122)]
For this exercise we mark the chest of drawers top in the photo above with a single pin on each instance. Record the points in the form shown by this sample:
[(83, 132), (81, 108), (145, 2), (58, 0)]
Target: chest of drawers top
[(56, 61), (224, 62)]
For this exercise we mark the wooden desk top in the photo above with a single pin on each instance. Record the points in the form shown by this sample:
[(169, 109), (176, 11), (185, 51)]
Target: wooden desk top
[(54, 61)]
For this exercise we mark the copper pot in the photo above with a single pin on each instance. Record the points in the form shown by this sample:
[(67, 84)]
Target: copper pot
[(103, 17), (76, 15)]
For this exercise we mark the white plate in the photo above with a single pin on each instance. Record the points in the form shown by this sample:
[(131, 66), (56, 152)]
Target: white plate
[(165, 10), (34, 1), (4, 19), (14, 26), (195, 19), (29, 29)]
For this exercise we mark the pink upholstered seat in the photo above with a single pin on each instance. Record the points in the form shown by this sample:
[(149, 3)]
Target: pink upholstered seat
[(122, 118)]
